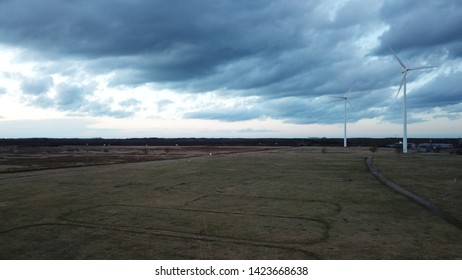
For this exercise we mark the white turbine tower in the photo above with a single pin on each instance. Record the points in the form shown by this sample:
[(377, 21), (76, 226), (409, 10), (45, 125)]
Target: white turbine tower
[(403, 84), (345, 98)]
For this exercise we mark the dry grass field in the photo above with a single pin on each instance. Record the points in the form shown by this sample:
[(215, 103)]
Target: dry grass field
[(225, 203)]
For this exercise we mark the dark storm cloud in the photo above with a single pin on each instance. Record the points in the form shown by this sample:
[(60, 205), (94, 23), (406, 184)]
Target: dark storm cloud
[(102, 109), (72, 96), (417, 25), (289, 109), (181, 39), (76, 100), (218, 42), (288, 53), (445, 90), (36, 86)]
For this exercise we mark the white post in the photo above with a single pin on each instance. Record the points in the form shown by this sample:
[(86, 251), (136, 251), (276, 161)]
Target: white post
[(405, 118), (344, 127)]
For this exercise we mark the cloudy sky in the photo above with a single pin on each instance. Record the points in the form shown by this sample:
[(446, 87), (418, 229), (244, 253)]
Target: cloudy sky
[(228, 68)]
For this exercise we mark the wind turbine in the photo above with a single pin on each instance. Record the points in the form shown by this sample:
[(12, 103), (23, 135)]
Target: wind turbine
[(403, 82), (345, 98)]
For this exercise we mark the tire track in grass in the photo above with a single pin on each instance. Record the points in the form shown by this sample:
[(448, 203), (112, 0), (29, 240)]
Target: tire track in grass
[(168, 233)]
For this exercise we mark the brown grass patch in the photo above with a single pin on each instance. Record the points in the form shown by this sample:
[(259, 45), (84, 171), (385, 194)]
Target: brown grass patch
[(285, 203)]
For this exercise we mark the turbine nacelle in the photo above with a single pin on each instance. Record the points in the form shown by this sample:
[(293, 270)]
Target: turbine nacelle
[(405, 70), (344, 97)]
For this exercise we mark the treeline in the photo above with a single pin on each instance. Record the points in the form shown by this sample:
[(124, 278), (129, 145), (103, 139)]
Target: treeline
[(293, 142)]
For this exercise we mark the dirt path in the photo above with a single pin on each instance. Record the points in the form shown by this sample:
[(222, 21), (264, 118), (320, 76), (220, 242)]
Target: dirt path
[(413, 197)]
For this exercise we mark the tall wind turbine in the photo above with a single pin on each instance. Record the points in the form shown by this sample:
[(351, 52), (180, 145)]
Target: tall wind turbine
[(345, 98), (403, 84)]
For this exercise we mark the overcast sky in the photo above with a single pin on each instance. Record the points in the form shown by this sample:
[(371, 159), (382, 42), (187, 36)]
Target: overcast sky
[(228, 68)]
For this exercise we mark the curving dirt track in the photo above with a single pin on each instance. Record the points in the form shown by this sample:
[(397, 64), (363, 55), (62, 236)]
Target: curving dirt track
[(413, 197)]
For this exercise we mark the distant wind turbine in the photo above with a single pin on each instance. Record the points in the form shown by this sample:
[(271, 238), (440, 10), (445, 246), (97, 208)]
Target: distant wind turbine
[(403, 82), (345, 98)]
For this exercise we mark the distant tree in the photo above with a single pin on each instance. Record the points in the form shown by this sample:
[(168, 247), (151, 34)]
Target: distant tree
[(324, 150), (373, 149)]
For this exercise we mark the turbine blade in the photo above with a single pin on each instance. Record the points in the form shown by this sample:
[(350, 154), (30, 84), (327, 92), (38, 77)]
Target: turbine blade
[(351, 106), (423, 67), (348, 93), (401, 85), (397, 58)]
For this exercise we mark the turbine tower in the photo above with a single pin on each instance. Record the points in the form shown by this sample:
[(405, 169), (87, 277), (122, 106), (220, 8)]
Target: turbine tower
[(403, 85), (345, 98)]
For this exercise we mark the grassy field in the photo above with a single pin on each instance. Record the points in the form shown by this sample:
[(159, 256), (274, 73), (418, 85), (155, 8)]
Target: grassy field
[(279, 203)]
